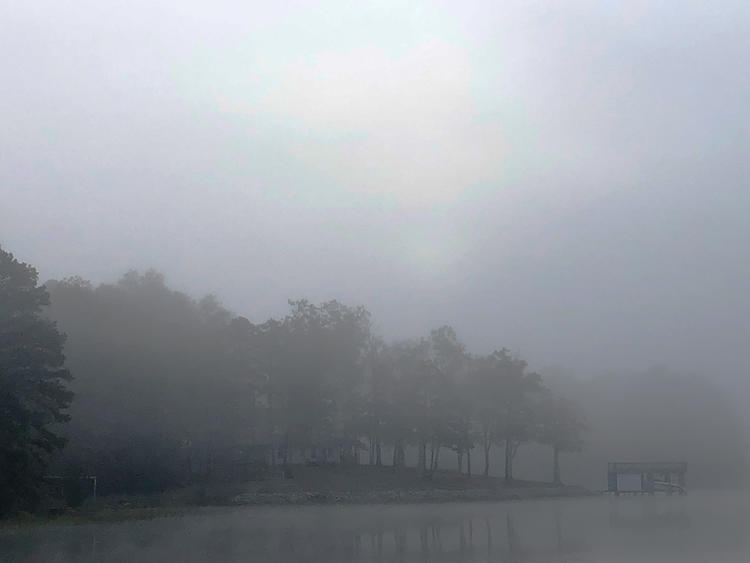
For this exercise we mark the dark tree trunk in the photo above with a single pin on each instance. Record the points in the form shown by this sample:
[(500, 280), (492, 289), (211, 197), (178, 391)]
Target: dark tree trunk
[(460, 461), (489, 535), (468, 462), (286, 468), (556, 466), (378, 453), (510, 528), (422, 463), (508, 460), (487, 445)]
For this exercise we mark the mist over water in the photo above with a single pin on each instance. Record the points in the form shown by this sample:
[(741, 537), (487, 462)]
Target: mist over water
[(695, 529)]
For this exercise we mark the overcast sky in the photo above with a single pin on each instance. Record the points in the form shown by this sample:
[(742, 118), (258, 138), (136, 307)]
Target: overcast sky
[(568, 180)]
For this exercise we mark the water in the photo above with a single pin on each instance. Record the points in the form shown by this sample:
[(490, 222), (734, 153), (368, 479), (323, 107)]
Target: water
[(703, 527)]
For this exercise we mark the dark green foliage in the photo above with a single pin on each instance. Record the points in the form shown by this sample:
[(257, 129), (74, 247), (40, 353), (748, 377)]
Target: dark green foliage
[(199, 497), (160, 382), (33, 392), (74, 487)]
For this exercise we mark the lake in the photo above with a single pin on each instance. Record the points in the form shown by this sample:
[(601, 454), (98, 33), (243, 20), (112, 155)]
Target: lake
[(703, 527)]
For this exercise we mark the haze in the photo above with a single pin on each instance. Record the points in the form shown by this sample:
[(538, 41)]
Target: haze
[(569, 182)]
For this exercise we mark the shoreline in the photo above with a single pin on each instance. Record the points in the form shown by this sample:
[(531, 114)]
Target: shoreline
[(110, 514), (417, 496)]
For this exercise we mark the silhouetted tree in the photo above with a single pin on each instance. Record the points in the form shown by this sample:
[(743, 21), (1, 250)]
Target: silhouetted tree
[(33, 392), (451, 360), (560, 425), (168, 384), (505, 408), (485, 397)]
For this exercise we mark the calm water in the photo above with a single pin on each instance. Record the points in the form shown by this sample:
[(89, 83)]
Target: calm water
[(703, 527)]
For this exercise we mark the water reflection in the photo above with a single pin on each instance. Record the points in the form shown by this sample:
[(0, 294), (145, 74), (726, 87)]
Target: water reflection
[(648, 515), (692, 529)]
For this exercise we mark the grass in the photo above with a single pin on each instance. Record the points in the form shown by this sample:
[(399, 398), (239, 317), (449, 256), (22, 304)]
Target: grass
[(323, 479)]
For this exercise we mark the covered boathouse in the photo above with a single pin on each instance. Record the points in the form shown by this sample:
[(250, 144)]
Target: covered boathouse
[(646, 477)]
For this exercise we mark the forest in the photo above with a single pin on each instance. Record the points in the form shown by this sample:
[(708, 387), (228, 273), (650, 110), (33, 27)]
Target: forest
[(150, 389)]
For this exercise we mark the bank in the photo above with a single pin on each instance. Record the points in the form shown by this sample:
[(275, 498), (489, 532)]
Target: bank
[(306, 485), (409, 496)]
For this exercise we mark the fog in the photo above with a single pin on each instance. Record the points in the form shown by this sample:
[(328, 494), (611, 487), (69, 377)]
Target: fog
[(569, 181), (376, 254)]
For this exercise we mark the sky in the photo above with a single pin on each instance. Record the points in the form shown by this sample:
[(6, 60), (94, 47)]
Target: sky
[(567, 180)]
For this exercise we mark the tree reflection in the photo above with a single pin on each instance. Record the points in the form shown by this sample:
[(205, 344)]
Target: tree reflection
[(545, 532)]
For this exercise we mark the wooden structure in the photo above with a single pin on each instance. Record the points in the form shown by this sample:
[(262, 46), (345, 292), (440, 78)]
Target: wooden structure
[(646, 477)]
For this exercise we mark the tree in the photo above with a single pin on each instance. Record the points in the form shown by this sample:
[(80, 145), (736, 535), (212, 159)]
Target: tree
[(451, 360), (517, 418), (392, 367), (561, 424), (374, 400), (318, 368), (33, 394), (505, 413), (162, 386), (417, 400), (486, 395)]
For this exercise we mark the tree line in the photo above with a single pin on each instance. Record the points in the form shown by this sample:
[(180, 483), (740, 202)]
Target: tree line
[(164, 382)]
